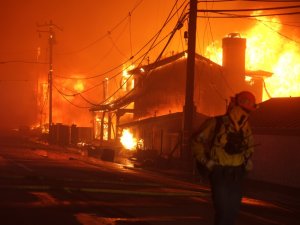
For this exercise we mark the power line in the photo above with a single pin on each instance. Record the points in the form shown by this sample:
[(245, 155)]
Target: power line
[(130, 35), (247, 10), (170, 16), (130, 75), (107, 34), (270, 27), (152, 46), (82, 107), (206, 25), (138, 84), (25, 80), (271, 1), (237, 16), (281, 23), (132, 57), (22, 61), (279, 33), (99, 84)]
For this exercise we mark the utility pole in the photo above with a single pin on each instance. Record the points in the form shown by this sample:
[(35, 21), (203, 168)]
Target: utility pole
[(189, 107), (51, 40)]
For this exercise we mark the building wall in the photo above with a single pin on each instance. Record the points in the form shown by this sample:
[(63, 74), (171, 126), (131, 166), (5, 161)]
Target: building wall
[(163, 91), (210, 91), (160, 135), (276, 159)]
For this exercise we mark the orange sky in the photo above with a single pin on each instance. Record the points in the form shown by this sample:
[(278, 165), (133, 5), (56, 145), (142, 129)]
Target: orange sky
[(83, 22)]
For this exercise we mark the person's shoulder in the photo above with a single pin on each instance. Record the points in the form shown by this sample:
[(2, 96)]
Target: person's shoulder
[(215, 121), (221, 118), (214, 118)]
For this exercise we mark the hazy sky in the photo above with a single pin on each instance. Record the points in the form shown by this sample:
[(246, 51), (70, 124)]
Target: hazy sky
[(95, 36)]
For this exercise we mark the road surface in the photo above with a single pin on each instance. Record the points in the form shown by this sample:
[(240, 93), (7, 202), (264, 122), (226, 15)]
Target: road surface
[(43, 187)]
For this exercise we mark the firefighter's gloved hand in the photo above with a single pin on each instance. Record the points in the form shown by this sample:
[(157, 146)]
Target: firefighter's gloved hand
[(249, 165), (210, 164)]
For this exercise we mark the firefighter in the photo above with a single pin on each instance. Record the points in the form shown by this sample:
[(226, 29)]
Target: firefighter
[(223, 146)]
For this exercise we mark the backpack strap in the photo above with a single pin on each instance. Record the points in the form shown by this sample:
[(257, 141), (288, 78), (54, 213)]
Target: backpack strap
[(219, 122)]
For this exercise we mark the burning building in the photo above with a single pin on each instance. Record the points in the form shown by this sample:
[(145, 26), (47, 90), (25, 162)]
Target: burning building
[(152, 109)]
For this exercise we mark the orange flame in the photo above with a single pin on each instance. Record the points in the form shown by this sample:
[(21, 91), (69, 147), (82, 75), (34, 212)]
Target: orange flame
[(79, 86), (127, 140), (268, 50)]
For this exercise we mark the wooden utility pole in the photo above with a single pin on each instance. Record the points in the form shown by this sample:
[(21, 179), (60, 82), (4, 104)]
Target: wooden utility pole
[(50, 80), (51, 42), (189, 107)]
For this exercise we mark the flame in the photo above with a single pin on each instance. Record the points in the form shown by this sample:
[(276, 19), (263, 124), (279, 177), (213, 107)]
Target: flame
[(78, 86), (268, 50), (127, 140), (61, 107), (127, 82)]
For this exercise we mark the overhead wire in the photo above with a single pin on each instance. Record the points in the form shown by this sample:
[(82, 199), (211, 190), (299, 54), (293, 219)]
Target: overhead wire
[(130, 34), (78, 106), (237, 16), (163, 26), (178, 26), (152, 39), (115, 46), (99, 84), (108, 98), (153, 45), (264, 23), (118, 73), (247, 16), (172, 35), (271, 1), (128, 93), (181, 41), (22, 61), (281, 23), (247, 9), (208, 24), (106, 34), (279, 33)]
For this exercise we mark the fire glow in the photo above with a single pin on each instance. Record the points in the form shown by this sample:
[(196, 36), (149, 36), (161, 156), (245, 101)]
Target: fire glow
[(127, 140), (268, 50)]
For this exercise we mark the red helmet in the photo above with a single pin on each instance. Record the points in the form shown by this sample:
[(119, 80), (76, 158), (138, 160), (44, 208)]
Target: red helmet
[(246, 100)]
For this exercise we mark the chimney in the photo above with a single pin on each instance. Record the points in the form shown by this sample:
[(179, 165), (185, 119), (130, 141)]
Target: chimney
[(234, 48)]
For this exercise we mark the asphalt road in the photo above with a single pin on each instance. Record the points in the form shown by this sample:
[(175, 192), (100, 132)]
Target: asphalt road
[(41, 187)]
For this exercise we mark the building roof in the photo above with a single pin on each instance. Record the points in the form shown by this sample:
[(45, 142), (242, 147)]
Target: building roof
[(134, 93), (277, 116), (147, 69)]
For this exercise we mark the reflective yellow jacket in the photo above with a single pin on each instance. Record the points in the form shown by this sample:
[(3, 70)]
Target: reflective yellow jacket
[(203, 139)]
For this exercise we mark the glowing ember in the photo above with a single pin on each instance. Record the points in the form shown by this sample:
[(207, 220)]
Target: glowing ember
[(268, 50), (127, 140)]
